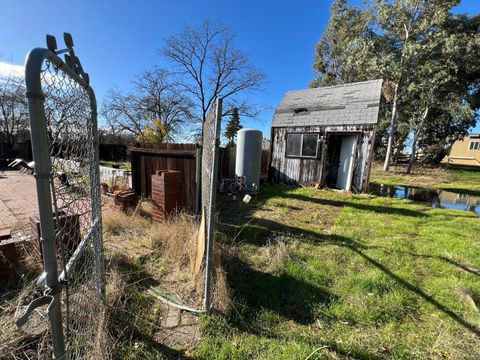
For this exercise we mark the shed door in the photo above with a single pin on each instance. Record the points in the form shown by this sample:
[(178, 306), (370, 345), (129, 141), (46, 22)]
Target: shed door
[(346, 162)]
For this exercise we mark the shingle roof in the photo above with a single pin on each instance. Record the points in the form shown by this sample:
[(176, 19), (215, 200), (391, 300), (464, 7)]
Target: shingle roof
[(348, 104)]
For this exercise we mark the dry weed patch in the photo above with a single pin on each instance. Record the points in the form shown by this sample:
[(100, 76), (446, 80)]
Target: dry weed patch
[(143, 255), (32, 340)]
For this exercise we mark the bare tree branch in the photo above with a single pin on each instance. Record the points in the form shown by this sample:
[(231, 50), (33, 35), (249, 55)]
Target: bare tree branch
[(209, 66), (13, 109), (155, 96)]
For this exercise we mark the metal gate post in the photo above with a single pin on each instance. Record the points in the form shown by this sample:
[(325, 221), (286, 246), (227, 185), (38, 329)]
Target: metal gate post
[(41, 157)]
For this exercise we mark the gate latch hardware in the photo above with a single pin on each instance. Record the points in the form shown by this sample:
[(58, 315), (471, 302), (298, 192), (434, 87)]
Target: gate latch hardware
[(45, 299)]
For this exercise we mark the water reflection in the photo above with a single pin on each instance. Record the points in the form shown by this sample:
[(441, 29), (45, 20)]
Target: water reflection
[(434, 198)]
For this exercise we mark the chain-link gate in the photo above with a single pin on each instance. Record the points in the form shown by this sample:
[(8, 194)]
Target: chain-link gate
[(63, 119)]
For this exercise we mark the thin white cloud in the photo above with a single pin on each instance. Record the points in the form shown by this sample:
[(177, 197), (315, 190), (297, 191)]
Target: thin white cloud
[(11, 70)]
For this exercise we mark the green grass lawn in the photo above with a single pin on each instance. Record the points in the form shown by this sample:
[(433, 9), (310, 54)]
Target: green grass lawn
[(323, 275), (456, 178)]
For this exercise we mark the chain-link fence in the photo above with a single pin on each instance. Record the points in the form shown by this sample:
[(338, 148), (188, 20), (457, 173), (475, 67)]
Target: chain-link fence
[(210, 154), (65, 145)]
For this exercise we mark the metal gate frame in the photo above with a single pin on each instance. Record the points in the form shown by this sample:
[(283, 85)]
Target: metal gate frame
[(43, 176)]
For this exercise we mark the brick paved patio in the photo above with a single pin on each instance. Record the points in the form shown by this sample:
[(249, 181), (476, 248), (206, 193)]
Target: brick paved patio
[(18, 199)]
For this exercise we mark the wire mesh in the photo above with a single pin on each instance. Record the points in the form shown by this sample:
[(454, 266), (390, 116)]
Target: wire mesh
[(208, 144), (75, 186), (210, 150)]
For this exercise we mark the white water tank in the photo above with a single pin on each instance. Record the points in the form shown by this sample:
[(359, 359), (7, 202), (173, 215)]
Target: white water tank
[(249, 157)]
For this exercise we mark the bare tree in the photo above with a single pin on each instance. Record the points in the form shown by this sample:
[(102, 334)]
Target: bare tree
[(211, 67), (155, 97), (13, 109)]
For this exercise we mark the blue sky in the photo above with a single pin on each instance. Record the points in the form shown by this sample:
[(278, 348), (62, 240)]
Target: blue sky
[(117, 40)]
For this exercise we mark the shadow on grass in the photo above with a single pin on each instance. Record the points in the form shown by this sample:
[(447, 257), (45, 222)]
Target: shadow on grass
[(365, 207), (462, 266), (165, 351), (359, 249), (294, 299), (256, 291), (350, 244), (237, 217), (129, 323), (279, 293), (282, 294)]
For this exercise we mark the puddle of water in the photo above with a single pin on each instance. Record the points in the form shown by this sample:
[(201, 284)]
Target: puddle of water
[(434, 198)]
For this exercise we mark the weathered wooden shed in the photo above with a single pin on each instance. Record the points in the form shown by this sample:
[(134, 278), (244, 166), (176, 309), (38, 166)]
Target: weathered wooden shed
[(326, 135)]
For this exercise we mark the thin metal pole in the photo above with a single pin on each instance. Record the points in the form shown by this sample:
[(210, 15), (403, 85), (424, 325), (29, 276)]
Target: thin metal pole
[(211, 211), (41, 157)]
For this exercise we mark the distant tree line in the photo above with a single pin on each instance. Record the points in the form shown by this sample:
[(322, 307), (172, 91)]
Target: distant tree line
[(428, 58)]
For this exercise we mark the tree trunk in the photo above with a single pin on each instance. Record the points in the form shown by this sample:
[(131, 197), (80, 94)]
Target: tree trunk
[(399, 145), (441, 153), (415, 140), (393, 123), (393, 126)]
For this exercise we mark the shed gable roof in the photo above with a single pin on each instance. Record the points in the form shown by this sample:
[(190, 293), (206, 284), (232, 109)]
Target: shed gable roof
[(348, 104)]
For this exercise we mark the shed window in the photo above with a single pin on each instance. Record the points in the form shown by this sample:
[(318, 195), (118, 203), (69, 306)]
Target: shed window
[(294, 144), (475, 145), (302, 145)]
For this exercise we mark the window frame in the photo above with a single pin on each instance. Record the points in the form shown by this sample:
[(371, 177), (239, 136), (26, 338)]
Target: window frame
[(300, 156), (474, 145)]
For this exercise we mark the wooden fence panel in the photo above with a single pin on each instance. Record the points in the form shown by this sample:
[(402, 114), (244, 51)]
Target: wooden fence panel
[(146, 161)]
